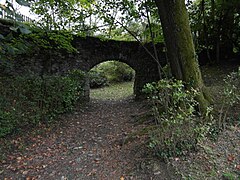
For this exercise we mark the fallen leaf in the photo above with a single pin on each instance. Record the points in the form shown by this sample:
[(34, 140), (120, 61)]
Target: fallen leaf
[(238, 167), (24, 172), (122, 178), (231, 158)]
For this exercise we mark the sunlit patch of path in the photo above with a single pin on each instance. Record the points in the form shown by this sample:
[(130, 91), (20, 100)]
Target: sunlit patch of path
[(117, 91)]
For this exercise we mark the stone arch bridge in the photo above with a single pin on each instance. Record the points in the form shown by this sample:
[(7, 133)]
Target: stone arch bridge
[(92, 51)]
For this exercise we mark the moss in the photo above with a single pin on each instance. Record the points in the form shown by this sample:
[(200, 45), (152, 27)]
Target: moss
[(179, 42)]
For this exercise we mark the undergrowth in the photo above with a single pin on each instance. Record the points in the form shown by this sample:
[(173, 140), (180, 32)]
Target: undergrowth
[(230, 97), (178, 125), (30, 100), (110, 72)]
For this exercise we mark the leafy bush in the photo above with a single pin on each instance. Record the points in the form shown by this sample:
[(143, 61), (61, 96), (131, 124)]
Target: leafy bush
[(231, 96), (29, 100), (178, 126), (122, 72), (97, 79), (55, 40), (114, 71)]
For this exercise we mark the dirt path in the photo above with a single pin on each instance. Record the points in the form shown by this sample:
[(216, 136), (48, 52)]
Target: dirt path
[(89, 144), (86, 145)]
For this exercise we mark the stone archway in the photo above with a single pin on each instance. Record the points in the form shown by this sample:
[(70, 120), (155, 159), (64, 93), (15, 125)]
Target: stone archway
[(92, 51), (111, 80)]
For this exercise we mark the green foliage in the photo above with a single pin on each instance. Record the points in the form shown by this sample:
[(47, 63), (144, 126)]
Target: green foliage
[(130, 20), (113, 18), (229, 176), (73, 15), (97, 79), (231, 88), (23, 39), (29, 100), (114, 71), (11, 46), (29, 39), (211, 20), (178, 126), (23, 2), (231, 96), (11, 14), (56, 40)]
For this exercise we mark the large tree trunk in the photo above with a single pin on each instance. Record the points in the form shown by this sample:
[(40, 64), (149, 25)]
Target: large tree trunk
[(180, 48)]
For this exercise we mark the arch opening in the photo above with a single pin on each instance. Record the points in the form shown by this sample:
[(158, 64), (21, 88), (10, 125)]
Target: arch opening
[(111, 80)]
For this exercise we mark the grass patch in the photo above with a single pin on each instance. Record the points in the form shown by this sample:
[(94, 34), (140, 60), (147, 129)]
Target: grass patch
[(113, 92)]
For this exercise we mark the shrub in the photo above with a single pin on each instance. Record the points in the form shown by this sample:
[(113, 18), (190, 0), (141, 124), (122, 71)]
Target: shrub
[(29, 100), (122, 72), (97, 79), (113, 71), (231, 96), (178, 126)]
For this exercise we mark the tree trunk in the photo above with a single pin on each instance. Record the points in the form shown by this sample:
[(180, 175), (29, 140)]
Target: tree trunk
[(180, 48)]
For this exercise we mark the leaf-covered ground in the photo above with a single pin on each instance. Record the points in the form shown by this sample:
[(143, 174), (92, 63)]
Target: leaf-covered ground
[(88, 144), (214, 160), (94, 143)]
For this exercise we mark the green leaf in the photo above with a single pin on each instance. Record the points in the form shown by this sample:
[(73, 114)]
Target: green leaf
[(1, 36), (9, 11), (9, 37), (11, 50), (19, 17), (24, 30), (23, 3), (14, 28)]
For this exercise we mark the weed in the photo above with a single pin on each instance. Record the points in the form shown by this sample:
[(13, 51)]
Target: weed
[(228, 176)]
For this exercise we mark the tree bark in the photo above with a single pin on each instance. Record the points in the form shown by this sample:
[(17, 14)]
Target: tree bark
[(180, 48)]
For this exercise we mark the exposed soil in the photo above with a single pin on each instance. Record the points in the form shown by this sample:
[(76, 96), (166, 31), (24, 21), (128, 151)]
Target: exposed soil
[(93, 143)]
